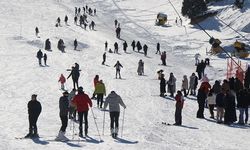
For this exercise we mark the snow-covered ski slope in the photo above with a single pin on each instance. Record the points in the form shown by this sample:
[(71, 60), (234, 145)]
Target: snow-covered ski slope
[(21, 75)]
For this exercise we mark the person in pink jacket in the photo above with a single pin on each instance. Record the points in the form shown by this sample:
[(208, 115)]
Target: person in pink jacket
[(62, 80)]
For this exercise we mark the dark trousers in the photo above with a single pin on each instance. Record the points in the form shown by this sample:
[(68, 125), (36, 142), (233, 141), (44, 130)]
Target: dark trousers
[(64, 120), (32, 124), (103, 62), (185, 92), (45, 62), (199, 75), (200, 112), (117, 73), (81, 115), (75, 83), (40, 61), (211, 110), (99, 100), (178, 117), (163, 62), (114, 117)]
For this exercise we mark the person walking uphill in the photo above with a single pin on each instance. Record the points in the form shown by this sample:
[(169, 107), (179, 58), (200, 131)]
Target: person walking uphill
[(64, 110), (82, 103), (100, 91), (178, 108), (114, 101), (34, 110)]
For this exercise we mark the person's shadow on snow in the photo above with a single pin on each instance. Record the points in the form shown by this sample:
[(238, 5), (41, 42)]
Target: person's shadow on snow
[(39, 141), (124, 141)]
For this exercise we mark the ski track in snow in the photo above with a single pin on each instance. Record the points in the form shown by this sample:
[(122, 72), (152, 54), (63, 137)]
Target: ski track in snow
[(145, 109)]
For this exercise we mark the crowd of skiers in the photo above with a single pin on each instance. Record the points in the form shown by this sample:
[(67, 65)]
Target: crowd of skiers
[(226, 97), (78, 102)]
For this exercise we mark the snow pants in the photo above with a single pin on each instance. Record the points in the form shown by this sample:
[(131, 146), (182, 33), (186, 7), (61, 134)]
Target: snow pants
[(85, 115), (114, 118), (64, 120)]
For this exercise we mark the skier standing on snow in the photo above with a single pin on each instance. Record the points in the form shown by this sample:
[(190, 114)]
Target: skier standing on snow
[(60, 45), (37, 31), (106, 45), (47, 45), (58, 21), (118, 32), (82, 103), (116, 22), (158, 48), (103, 58), (75, 11), (162, 85), (163, 58), (199, 70), (114, 101), (193, 82), (171, 84), (178, 108), (197, 61), (133, 45), (116, 48), (140, 69), (66, 20), (64, 110), (138, 45), (75, 44), (79, 10), (118, 67), (34, 110), (201, 98), (75, 20), (145, 49), (75, 76), (62, 80), (185, 85), (39, 55), (92, 25), (125, 45), (45, 59), (100, 91)]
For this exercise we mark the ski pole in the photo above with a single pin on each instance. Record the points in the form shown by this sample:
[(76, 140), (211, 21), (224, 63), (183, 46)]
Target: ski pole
[(95, 123), (103, 122), (122, 122)]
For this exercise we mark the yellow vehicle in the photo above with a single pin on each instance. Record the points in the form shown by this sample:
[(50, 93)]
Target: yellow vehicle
[(240, 49), (161, 19)]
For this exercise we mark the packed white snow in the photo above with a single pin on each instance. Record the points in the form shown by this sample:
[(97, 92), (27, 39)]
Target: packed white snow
[(21, 75)]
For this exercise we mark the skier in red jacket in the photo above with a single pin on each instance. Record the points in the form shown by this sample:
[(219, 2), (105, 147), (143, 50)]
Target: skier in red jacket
[(82, 103)]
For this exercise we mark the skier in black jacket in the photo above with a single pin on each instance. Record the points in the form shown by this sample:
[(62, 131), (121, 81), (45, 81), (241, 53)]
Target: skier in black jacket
[(34, 110), (64, 110), (39, 55)]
